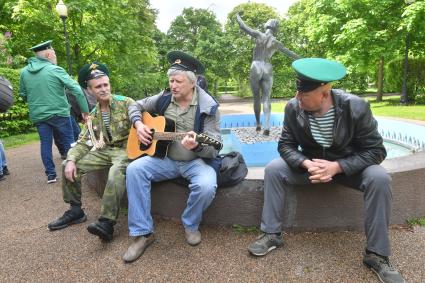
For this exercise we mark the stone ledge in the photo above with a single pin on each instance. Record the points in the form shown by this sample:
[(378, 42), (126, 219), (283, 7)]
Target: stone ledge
[(310, 208)]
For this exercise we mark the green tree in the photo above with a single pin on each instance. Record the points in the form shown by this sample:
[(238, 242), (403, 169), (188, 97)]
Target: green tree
[(198, 32), (118, 33), (186, 29), (363, 34), (255, 15)]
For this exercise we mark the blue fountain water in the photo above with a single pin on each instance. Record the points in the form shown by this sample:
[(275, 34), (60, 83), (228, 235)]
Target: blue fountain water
[(401, 138)]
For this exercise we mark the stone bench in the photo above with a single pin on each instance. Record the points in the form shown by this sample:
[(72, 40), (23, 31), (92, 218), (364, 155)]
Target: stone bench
[(309, 208)]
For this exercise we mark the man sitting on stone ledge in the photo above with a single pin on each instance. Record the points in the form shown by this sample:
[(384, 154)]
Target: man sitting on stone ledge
[(192, 110), (329, 135), (101, 145)]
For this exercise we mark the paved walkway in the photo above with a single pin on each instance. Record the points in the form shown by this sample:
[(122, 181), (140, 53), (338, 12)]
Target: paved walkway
[(31, 253)]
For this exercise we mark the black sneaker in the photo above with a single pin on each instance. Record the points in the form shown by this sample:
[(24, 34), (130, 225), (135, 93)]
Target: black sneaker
[(383, 268), (6, 171), (51, 179), (265, 243), (104, 229), (74, 215)]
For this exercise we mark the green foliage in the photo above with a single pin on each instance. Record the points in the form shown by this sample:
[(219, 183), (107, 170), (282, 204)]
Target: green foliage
[(186, 30), (255, 15), (15, 120), (122, 34), (245, 229), (358, 33), (355, 82), (417, 221), (118, 33), (416, 77), (198, 32)]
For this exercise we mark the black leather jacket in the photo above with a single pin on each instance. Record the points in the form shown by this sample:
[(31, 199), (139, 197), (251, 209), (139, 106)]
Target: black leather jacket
[(356, 144)]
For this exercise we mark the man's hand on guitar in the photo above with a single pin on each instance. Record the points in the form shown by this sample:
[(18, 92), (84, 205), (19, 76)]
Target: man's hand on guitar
[(189, 141), (143, 133)]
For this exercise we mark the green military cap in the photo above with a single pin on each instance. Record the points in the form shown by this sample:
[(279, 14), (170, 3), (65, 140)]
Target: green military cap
[(91, 71), (42, 46), (183, 61), (314, 72)]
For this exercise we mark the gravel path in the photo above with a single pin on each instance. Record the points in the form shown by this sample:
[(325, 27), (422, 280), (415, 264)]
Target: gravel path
[(31, 253)]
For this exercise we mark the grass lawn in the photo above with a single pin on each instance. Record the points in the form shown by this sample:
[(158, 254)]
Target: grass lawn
[(15, 141), (390, 107)]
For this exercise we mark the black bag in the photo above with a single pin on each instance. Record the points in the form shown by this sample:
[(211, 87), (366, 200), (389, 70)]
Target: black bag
[(233, 169), (6, 94)]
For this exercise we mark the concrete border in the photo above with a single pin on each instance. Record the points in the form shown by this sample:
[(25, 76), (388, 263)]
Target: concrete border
[(309, 208)]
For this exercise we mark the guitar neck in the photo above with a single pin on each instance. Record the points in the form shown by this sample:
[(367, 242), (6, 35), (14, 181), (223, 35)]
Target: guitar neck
[(169, 136), (201, 138)]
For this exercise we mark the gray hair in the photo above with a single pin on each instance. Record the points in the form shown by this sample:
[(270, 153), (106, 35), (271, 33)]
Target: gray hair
[(189, 74)]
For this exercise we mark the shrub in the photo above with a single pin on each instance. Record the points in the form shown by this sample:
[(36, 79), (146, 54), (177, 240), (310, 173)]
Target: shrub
[(416, 77)]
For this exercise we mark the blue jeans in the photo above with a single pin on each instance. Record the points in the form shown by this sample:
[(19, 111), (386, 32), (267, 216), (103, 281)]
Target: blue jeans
[(62, 127), (75, 132), (75, 128), (143, 171), (2, 158)]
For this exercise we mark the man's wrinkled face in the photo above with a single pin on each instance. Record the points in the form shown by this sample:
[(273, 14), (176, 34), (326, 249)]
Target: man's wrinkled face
[(100, 88), (180, 86), (310, 101)]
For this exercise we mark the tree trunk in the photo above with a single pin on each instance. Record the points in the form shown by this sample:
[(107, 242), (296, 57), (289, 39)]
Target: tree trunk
[(215, 88), (380, 79)]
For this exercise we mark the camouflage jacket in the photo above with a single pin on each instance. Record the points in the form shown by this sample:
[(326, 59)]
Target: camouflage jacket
[(119, 125)]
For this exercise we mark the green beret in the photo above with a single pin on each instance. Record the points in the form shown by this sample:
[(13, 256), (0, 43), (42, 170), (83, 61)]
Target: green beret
[(91, 71), (314, 72), (183, 61), (42, 46)]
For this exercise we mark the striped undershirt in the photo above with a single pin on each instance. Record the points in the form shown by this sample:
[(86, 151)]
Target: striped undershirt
[(322, 127), (107, 121)]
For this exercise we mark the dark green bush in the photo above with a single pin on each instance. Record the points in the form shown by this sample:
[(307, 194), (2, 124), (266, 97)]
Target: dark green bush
[(355, 82), (416, 78)]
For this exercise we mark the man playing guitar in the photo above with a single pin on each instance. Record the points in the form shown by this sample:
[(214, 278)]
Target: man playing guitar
[(194, 112)]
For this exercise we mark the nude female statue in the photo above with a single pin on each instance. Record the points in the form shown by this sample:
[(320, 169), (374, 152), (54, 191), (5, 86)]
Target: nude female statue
[(261, 73)]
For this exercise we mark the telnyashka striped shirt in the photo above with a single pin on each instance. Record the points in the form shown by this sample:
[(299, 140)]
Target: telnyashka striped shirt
[(322, 127), (107, 121)]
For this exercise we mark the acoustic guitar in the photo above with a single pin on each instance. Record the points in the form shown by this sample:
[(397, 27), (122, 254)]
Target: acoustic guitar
[(163, 133)]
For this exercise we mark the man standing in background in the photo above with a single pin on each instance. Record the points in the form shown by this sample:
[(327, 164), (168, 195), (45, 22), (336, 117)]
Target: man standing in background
[(42, 85)]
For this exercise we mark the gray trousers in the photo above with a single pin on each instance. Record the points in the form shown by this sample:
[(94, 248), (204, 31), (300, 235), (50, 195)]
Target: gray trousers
[(374, 182)]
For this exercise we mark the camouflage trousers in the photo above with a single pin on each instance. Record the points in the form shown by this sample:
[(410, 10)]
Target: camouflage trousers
[(113, 158)]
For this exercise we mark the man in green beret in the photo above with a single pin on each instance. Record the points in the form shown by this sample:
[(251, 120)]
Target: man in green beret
[(193, 111), (101, 144), (329, 136), (42, 85)]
